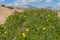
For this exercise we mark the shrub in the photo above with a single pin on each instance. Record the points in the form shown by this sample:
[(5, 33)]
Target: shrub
[(3, 5), (10, 7)]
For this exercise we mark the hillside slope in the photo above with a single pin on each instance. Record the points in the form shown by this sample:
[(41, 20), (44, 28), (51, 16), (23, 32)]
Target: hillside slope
[(32, 24), (5, 12)]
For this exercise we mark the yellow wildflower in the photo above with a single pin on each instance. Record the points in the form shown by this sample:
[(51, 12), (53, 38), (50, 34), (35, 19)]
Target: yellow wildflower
[(44, 28), (11, 19), (23, 34), (38, 28), (25, 16), (27, 29), (48, 15), (5, 32)]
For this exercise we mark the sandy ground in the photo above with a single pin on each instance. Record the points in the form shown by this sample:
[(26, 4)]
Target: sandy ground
[(58, 14), (4, 13)]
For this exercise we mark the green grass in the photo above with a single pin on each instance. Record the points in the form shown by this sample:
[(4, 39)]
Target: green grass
[(32, 24)]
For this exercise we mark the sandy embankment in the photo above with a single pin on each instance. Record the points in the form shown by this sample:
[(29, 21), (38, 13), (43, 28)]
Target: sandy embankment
[(4, 13)]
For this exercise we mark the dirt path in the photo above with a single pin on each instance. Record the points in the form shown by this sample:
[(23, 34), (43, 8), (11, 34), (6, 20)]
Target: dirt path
[(59, 14), (4, 13)]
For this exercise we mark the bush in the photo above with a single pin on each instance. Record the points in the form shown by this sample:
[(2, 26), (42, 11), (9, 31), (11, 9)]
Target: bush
[(3, 5), (10, 7)]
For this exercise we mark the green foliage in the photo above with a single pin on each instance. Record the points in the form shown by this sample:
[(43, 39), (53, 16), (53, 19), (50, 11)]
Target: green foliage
[(32, 24)]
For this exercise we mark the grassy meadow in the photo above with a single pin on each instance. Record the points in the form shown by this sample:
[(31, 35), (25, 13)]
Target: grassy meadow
[(31, 24)]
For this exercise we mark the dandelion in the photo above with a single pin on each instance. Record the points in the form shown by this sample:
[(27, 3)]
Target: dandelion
[(44, 28), (23, 34), (27, 29)]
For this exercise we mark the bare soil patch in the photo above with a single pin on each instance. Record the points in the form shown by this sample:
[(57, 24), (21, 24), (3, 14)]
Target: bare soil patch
[(5, 12)]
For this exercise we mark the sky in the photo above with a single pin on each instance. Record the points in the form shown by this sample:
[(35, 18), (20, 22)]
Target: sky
[(33, 3)]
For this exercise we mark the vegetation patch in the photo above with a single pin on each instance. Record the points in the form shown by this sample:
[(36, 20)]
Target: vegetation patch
[(3, 5), (32, 24), (10, 7)]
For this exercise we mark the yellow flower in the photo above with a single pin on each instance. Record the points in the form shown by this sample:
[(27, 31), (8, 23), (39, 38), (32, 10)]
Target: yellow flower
[(5, 32), (38, 28), (48, 15), (44, 28), (11, 19), (25, 16), (27, 29), (23, 34)]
